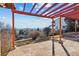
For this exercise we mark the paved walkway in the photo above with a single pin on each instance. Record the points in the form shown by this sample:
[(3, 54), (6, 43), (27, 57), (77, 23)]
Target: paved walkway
[(45, 49)]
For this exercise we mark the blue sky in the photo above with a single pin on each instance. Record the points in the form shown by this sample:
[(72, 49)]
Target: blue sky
[(23, 21), (26, 21)]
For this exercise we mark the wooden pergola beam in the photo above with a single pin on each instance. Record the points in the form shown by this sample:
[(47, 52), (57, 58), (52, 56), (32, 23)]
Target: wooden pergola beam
[(26, 13), (76, 16), (72, 17)]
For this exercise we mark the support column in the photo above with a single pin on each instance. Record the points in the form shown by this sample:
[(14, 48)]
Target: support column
[(60, 29), (13, 30), (75, 25), (52, 38)]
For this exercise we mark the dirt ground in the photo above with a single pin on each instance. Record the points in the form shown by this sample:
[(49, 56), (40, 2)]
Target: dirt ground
[(45, 49)]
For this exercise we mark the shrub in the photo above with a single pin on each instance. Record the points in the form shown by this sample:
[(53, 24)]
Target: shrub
[(33, 34)]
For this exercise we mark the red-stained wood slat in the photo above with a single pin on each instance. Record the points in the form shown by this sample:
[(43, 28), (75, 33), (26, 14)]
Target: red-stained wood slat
[(57, 8), (41, 8), (53, 5), (33, 7), (62, 10)]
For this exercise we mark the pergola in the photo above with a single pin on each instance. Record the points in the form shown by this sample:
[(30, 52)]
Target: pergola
[(71, 12)]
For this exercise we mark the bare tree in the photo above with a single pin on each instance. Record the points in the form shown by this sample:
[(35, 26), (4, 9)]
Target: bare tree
[(1, 25), (70, 24), (47, 31)]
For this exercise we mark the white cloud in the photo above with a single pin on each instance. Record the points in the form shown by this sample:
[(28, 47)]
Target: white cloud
[(38, 5), (32, 3), (46, 12), (2, 17), (47, 19), (21, 8), (48, 5), (36, 22), (37, 9)]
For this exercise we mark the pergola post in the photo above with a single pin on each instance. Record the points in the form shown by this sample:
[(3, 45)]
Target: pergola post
[(52, 38), (75, 25), (60, 29), (13, 30)]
